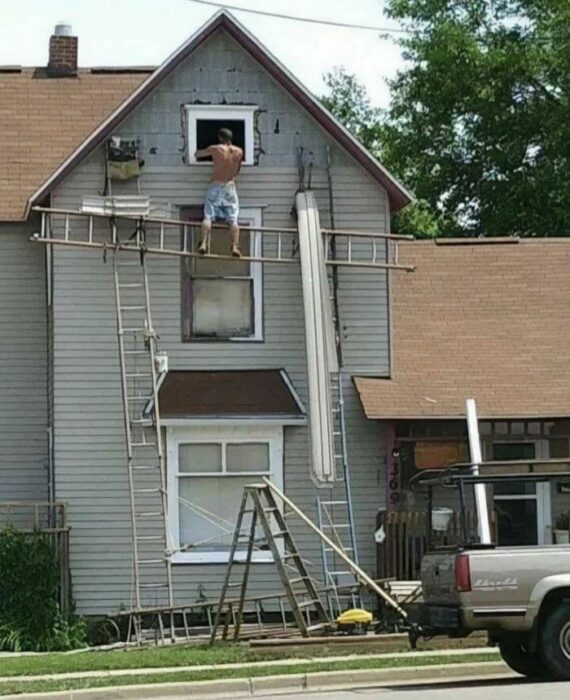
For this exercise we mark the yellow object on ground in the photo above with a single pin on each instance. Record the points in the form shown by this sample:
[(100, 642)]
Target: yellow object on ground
[(356, 616)]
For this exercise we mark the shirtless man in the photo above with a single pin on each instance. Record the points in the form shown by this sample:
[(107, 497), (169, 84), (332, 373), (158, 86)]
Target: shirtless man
[(221, 198)]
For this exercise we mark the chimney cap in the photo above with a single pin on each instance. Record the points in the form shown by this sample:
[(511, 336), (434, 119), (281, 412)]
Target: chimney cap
[(63, 29)]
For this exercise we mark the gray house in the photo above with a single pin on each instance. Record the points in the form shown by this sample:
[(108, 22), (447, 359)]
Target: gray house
[(237, 388)]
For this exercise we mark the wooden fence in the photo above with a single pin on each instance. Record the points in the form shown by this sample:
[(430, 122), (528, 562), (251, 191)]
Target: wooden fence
[(400, 555), (43, 517)]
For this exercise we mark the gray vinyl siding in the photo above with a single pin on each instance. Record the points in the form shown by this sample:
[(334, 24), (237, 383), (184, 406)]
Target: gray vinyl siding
[(89, 444), (23, 370)]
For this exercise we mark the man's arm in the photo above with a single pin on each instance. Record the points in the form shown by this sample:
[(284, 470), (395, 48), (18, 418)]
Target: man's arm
[(240, 160), (204, 152)]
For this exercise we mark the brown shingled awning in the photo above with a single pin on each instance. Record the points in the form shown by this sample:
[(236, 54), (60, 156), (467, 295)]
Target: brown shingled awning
[(224, 394)]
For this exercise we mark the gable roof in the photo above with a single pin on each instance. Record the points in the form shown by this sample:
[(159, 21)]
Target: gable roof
[(43, 119), (397, 193), (484, 320)]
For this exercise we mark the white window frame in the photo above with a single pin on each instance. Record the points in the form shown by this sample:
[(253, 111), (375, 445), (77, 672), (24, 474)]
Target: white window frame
[(220, 433), (251, 216), (220, 112)]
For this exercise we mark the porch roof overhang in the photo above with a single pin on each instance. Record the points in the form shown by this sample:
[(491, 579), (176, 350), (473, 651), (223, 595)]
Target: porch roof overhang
[(388, 399), (230, 394)]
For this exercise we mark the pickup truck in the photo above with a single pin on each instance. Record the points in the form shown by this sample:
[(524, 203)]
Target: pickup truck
[(520, 595)]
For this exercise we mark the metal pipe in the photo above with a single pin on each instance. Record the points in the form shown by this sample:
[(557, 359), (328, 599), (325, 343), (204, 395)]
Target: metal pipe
[(476, 458)]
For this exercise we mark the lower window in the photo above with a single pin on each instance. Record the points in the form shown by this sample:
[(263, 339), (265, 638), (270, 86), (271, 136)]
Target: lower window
[(222, 299), (208, 468)]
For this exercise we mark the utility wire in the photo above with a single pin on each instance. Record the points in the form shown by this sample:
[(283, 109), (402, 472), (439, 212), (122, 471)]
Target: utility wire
[(332, 23), (294, 18)]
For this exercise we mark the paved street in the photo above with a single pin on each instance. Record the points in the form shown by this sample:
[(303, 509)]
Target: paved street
[(497, 690)]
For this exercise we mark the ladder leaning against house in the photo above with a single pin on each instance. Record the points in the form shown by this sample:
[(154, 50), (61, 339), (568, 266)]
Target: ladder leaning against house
[(137, 342), (140, 378)]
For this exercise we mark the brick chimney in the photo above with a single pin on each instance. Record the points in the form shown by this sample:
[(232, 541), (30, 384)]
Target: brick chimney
[(62, 52)]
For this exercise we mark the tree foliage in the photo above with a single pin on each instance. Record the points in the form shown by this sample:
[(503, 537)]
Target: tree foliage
[(479, 125), (348, 101)]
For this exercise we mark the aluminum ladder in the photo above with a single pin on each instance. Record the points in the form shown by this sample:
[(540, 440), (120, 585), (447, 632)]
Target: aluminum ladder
[(334, 510), (335, 514), (261, 521), (137, 341)]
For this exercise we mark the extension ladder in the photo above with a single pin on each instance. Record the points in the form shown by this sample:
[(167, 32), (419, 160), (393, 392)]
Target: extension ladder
[(336, 517), (259, 511), (152, 574)]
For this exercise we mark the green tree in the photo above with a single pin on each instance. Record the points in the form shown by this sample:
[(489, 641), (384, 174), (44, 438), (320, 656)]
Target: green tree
[(479, 125), (348, 101)]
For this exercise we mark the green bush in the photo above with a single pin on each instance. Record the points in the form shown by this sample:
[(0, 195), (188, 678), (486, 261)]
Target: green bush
[(30, 618)]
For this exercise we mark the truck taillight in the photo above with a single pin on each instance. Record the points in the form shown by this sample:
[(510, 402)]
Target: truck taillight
[(462, 574)]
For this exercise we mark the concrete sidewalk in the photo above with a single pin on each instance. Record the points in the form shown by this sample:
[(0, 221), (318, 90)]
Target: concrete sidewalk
[(110, 673), (288, 684)]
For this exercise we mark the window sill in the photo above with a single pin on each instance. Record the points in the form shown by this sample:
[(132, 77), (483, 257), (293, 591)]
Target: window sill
[(200, 163), (223, 340), (218, 558)]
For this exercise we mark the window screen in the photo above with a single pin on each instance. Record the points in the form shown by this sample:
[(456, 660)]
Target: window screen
[(207, 132), (200, 458), (247, 457), (211, 479)]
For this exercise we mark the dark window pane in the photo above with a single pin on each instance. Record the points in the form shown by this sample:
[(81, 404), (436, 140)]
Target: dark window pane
[(559, 448), (207, 132), (515, 488), (516, 522), (513, 450)]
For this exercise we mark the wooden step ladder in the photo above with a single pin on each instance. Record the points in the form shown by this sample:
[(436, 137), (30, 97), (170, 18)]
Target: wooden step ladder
[(259, 511)]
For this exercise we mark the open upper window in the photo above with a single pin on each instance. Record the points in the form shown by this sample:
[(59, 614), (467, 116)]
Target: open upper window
[(203, 123)]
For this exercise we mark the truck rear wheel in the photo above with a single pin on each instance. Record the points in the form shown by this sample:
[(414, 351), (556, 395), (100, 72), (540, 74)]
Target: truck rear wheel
[(555, 642), (516, 655)]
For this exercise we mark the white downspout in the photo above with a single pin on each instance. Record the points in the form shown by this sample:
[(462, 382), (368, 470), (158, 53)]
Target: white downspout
[(319, 339)]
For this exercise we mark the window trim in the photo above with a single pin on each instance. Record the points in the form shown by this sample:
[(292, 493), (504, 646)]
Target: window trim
[(225, 433), (230, 112)]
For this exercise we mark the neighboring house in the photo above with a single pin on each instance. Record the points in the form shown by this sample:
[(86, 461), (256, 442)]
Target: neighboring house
[(484, 319), (237, 388)]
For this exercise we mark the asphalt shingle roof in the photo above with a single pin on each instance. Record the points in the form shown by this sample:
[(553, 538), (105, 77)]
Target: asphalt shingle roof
[(489, 321), (42, 120)]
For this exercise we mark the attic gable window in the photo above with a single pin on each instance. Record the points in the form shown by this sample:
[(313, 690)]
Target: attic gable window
[(204, 121)]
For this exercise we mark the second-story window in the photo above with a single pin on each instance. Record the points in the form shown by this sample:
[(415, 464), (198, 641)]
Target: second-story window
[(222, 299), (204, 121)]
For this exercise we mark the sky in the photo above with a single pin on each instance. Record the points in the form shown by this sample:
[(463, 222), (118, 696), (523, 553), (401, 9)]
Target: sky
[(145, 32)]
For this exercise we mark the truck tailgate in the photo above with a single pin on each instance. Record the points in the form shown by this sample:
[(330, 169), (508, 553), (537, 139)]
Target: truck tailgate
[(438, 578)]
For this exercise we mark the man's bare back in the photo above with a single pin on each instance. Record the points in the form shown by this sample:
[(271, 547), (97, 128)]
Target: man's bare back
[(227, 160)]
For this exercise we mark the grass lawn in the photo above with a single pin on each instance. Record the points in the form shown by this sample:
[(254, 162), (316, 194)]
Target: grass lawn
[(190, 655), (207, 656)]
